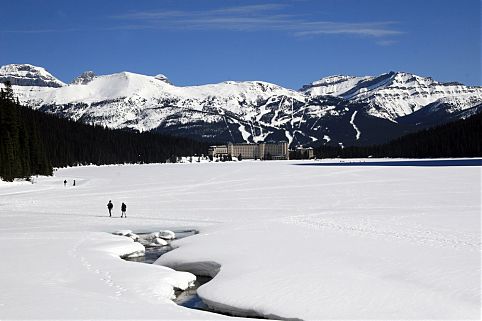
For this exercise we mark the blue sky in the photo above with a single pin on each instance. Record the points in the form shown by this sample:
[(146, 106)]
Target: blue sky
[(289, 43)]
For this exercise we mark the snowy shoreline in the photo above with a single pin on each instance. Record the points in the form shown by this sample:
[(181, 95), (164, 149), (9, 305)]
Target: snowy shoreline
[(205, 271)]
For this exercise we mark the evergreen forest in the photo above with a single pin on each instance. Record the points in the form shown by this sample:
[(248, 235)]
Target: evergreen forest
[(33, 143), (461, 138)]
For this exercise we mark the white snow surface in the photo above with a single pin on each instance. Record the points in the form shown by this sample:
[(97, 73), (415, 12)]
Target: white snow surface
[(25, 74), (333, 85), (307, 242)]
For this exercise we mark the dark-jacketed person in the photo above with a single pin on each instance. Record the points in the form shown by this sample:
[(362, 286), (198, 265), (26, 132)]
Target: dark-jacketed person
[(109, 207), (123, 210)]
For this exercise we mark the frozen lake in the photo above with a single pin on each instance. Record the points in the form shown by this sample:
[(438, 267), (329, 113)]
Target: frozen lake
[(321, 242)]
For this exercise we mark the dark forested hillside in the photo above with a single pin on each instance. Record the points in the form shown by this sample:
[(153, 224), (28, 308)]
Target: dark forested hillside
[(33, 142), (22, 150), (461, 138)]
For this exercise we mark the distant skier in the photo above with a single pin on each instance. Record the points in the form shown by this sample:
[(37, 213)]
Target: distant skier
[(74, 183), (109, 207), (65, 182), (123, 210)]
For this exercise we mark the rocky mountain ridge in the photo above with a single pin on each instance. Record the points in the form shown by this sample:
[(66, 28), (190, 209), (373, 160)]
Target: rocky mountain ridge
[(84, 78), (28, 75), (343, 110)]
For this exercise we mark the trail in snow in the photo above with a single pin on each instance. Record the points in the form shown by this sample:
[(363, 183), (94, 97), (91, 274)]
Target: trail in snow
[(316, 121), (358, 133), (244, 133), (227, 126), (301, 119), (251, 127), (292, 119), (276, 112)]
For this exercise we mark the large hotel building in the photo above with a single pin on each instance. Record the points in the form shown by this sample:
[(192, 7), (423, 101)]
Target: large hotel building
[(252, 151)]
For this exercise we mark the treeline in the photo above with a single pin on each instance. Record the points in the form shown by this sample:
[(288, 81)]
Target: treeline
[(32, 142), (461, 138), (22, 150)]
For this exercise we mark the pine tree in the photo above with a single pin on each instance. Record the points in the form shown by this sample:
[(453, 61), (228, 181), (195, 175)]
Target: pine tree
[(7, 93)]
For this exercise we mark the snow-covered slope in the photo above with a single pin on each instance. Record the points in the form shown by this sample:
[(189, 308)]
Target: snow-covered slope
[(395, 94), (28, 75), (249, 111), (333, 85)]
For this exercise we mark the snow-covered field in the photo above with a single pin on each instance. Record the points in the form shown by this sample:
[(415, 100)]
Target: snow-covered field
[(307, 242)]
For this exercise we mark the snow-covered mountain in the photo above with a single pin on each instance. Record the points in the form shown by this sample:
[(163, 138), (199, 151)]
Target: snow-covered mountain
[(394, 94), (84, 78), (336, 110), (28, 75)]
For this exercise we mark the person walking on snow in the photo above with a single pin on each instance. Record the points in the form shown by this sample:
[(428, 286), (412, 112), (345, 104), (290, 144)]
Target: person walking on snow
[(123, 210), (65, 182), (109, 207)]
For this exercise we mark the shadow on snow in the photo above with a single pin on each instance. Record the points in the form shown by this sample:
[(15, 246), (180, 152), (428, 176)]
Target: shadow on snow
[(412, 162)]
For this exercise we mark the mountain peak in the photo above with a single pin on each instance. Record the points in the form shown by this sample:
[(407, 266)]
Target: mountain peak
[(28, 75), (163, 78), (84, 78), (334, 85)]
